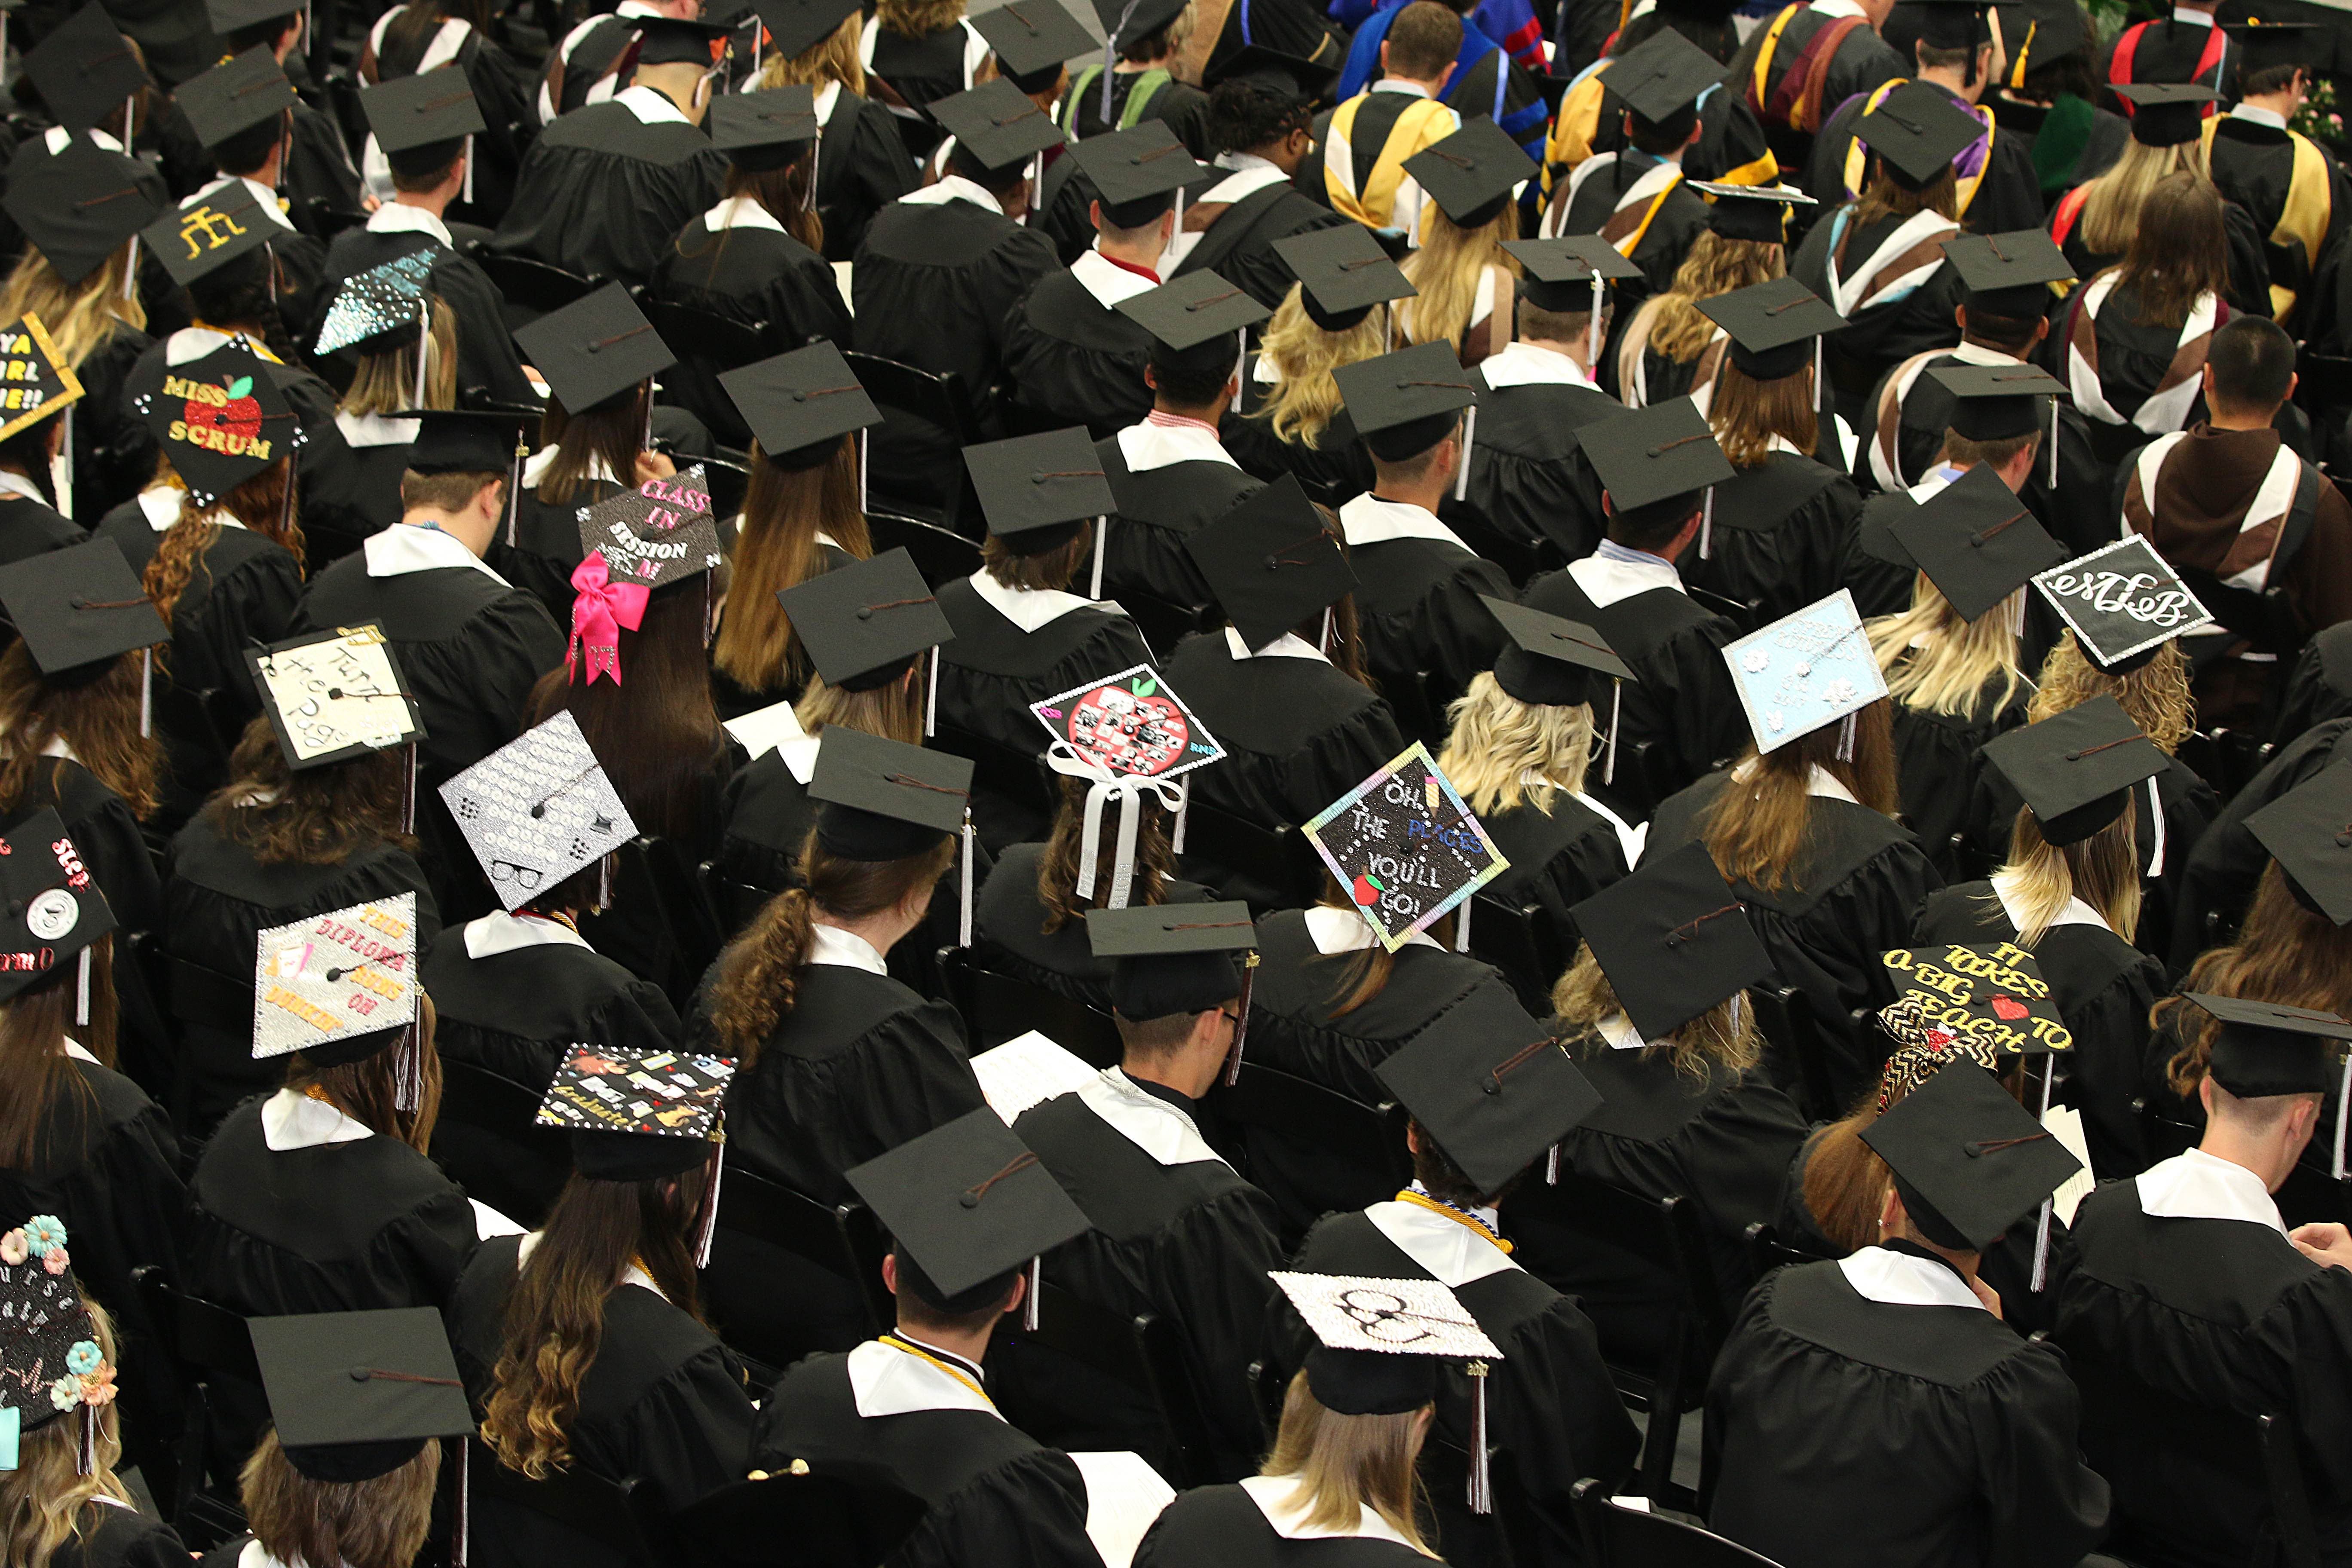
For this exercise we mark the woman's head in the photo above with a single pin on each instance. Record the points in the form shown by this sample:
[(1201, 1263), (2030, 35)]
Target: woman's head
[(832, 58), (1345, 1464), (1715, 265), (2179, 250), (1846, 1182), (2112, 202), (784, 510), (81, 317), (2154, 693), (1936, 662), (379, 1522), (93, 712), (1304, 401), (1046, 558), (383, 381), (1755, 828), (1447, 267), (1501, 752), (47, 1500), (368, 1090), (2103, 870), (1721, 1039), (1058, 871), (268, 504), (308, 817), (919, 18), (893, 711), (1889, 195), (783, 192), (2286, 954), (598, 444)]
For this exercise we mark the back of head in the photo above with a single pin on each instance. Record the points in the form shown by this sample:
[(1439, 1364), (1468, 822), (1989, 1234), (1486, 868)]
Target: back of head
[(380, 1522), (2178, 251), (1194, 377), (1347, 1463), (923, 1305), (1424, 40), (995, 182), (1245, 114), (2253, 361), (249, 149)]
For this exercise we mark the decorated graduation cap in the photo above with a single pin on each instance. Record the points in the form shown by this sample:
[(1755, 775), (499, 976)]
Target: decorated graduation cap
[(1551, 661), (1658, 463), (997, 124), (235, 95), (51, 1363), (220, 419), (2076, 770), (1472, 174), (796, 26), (2009, 274), (676, 41), (595, 349), (1991, 992), (1916, 131), (1174, 958), (358, 1394), (639, 1116), (1978, 543), (1271, 70), (380, 308), (54, 909), (1673, 941), (764, 130), (35, 381), (1033, 40), (634, 544), (2308, 831), (415, 119), (2165, 114), (1187, 311), (1758, 213), (2123, 602), (1126, 735), (1660, 80), (2266, 1048), (2275, 45), (85, 70), (800, 404), (1036, 490), (1402, 403), (886, 800), (1774, 326), (334, 695), (78, 608), (206, 232), (1138, 172), (538, 811), (1271, 562), (1404, 848), (78, 205), (1342, 273), (867, 623), (1809, 668), (1491, 1085), (1969, 1161), (340, 987)]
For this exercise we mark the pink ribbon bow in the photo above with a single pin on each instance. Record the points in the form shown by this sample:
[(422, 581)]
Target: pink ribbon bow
[(598, 612)]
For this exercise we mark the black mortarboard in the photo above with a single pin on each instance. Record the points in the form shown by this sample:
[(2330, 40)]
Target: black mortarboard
[(796, 26), (1991, 993), (461, 441), (2165, 114), (53, 909), (76, 207), (2039, 32), (2076, 770), (228, 16), (1271, 562), (1135, 172), (1342, 272), (1661, 78), (764, 130), (1551, 661), (207, 232), (538, 811), (659, 534), (78, 607), (35, 381), (967, 1201), (1995, 402), (1271, 70), (1126, 21), (85, 69), (1472, 174), (1560, 274), (1189, 310), (1969, 1161), (421, 110), (334, 694), (1953, 23), (220, 419), (2275, 45), (867, 623), (1034, 38), (1758, 213), (358, 1394), (2123, 602), (595, 348), (1402, 403), (637, 1115), (799, 405), (1773, 326), (1976, 541), (235, 95), (2308, 831), (1035, 490), (1655, 459), (1379, 1341), (2009, 274), (885, 800), (2266, 1048), (1171, 958), (1673, 941), (1491, 1085), (674, 41), (997, 124), (1916, 131)]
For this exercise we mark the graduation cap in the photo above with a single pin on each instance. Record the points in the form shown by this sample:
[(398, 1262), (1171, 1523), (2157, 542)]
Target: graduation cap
[(51, 1359), (538, 811), (638, 1115), (2275, 46), (2308, 831), (1035, 490), (2266, 1048), (207, 232), (358, 1394), (35, 379), (1993, 993), (2123, 602), (1491, 1085), (228, 17), (1655, 461), (2165, 114), (658, 535), (1135, 172), (1126, 735), (1976, 541), (79, 608), (1955, 24), (384, 302), (1402, 403), (421, 110), (799, 405), (1566, 274), (886, 800), (334, 695), (2009, 274), (1673, 941), (866, 624), (595, 349), (338, 987), (85, 70), (674, 41), (1271, 70), (2076, 770), (234, 96), (466, 441), (54, 909), (1472, 174), (1033, 40), (997, 124), (1271, 562), (968, 1204), (1662, 77), (764, 130), (1125, 21), (1806, 670), (1551, 661), (1916, 131), (2038, 32), (796, 26), (1759, 213), (220, 419), (1342, 273), (1188, 312), (1173, 958), (1404, 846), (1969, 1161), (1995, 402), (1773, 326), (78, 205)]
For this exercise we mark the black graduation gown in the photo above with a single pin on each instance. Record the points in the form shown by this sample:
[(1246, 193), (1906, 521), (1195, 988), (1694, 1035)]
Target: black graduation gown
[(1158, 510), (1875, 337), (217, 900), (1863, 61), (765, 817), (1881, 586), (2319, 687), (1845, 1432), (921, 70), (1561, 855), (1939, 772), (119, 1538), (1009, 935), (1855, 892), (1190, 1242), (113, 454), (1418, 613), (2103, 988), (1780, 534), (1549, 1401), (662, 1404), (538, 548), (301, 261), (2167, 50), (1681, 218), (487, 359), (1334, 468), (2252, 165), (1237, 238), (1529, 480), (355, 494), (30, 528), (862, 166), (1220, 1526), (2008, 197), (2224, 1313), (1074, 360), (317, 166), (750, 274), (603, 193), (1179, 105), (2218, 882)]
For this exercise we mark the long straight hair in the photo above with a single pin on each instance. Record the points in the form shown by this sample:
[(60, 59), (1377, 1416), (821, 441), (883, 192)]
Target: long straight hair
[(1755, 828), (96, 719), (2112, 201), (2285, 954), (657, 735), (1348, 1463), (380, 1522), (2102, 870), (783, 511), (384, 382), (1746, 414), (1719, 1040), (1935, 662), (80, 317), (2179, 250), (614, 431), (368, 1091), (48, 1109), (1446, 270)]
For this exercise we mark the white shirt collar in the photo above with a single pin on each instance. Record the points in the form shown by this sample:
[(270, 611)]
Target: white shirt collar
[(1899, 1280), (18, 484), (294, 1121), (1977, 354), (1606, 580), (1249, 174), (954, 188), (1526, 365), (1145, 447), (763, 729), (2193, 18), (741, 212), (887, 1381), (651, 108), (1390, 84), (190, 343), (499, 931), (263, 196), (535, 467), (1144, 1119), (73, 1048), (1369, 519), (2197, 1185), (57, 139), (1028, 609), (1840, 8), (1289, 645), (406, 547), (253, 1554), (1107, 281), (1618, 1031), (1819, 782), (831, 945), (400, 218), (2009, 886), (1344, 931), (2252, 115), (1451, 1253), (161, 506), (1283, 1502), (631, 1274), (376, 430)]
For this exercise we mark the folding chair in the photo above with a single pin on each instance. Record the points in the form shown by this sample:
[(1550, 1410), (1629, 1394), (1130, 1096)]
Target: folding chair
[(906, 393), (1006, 772), (212, 1352), (844, 1240), (533, 286), (1278, 858), (1145, 1354), (998, 1007), (1620, 1537), (1521, 939)]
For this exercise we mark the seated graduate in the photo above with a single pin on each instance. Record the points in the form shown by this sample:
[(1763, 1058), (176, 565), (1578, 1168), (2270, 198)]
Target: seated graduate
[(862, 164), (1803, 826), (583, 1343), (1140, 86), (2227, 866), (606, 186), (2191, 1285), (2318, 686), (1655, 1010), (1878, 1409), (2291, 188), (1261, 120), (1730, 135), (1782, 526), (1376, 129), (1547, 1400), (1654, 467), (378, 325), (1668, 349), (1019, 635), (912, 1408), (594, 60), (1950, 661), (1527, 481), (1636, 199), (1460, 269), (321, 1197), (755, 257), (1879, 260), (2093, 222), (917, 54), (1417, 584), (416, 37), (1073, 354), (1175, 1231), (36, 469)]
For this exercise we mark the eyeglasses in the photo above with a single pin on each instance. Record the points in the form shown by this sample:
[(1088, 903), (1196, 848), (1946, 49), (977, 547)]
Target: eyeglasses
[(522, 876), (1233, 1018)]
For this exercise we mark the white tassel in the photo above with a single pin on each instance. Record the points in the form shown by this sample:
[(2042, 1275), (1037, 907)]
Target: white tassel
[(1551, 1167), (424, 348), (86, 1452), (1323, 643), (2013, 609), (1183, 813), (131, 269), (2042, 1226), (408, 1072), (408, 801), (61, 465), (1707, 525), (514, 490), (931, 703), (146, 692), (1030, 1307), (861, 470), (1845, 740), (1482, 1483), (2156, 831), (461, 1528), (1592, 331), (1469, 437), (82, 991), (963, 923), (466, 195), (1461, 926), (1036, 191), (1616, 705), (2054, 444), (1102, 539), (710, 1208), (604, 884), (2343, 1108), (1739, 1014)]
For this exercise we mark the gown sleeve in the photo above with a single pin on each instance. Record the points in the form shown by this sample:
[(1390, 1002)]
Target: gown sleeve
[(690, 1433), (1708, 723), (1028, 1513), (436, 1240), (2045, 1506), (254, 604), (1557, 1412), (1464, 637), (1216, 1258)]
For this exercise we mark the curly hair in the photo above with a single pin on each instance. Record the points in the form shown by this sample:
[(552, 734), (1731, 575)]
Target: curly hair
[(1723, 1038), (2284, 954), (308, 817), (1715, 266), (96, 719), (2157, 695), (268, 503), (46, 1501), (1058, 869), (1756, 827), (1306, 397), (919, 18), (1244, 115), (1495, 741)]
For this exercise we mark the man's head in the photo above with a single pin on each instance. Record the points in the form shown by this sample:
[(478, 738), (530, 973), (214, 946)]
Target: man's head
[(1432, 467), (2249, 371), (1251, 114), (926, 1312), (1662, 138), (2289, 82), (2266, 1134), (1008, 183), (1196, 381), (2010, 457), (1186, 1051), (1967, 70), (1436, 1172), (435, 169), (1661, 528), (1561, 330), (465, 505), (251, 150), (2011, 335), (1422, 45), (1141, 243)]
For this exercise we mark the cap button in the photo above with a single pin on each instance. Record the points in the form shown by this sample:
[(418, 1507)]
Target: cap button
[(1490, 1087), (538, 811), (1037, 477), (968, 1201), (864, 615), (360, 1374)]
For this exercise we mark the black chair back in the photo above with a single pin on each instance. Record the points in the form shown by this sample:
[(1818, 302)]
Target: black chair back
[(532, 285), (1146, 1354), (532, 1162), (799, 1521), (1279, 858), (1616, 1537), (1520, 563), (999, 1007), (1767, 1251), (210, 1348), (1789, 1023), (846, 1241), (572, 1500), (1364, 1136), (940, 554), (1165, 623), (722, 341), (1006, 772), (938, 400), (737, 904), (1521, 939)]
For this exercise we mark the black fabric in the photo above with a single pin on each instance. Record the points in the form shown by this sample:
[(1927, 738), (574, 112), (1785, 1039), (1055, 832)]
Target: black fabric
[(1237, 239), (1681, 218), (862, 167), (487, 359), (747, 275), (1158, 510), (1529, 480), (1861, 62), (1939, 775), (119, 1538), (1879, 336), (1334, 468), (1782, 531), (2251, 166), (602, 193), (1073, 360), (1221, 1524), (1009, 934), (1418, 614)]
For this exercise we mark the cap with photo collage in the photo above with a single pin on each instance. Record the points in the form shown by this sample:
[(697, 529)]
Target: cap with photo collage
[(886, 800), (1342, 273), (206, 232), (334, 695), (51, 1362), (1673, 940), (997, 124), (1916, 131), (2123, 601), (1756, 213), (35, 381), (384, 307), (1169, 959), (2267, 1049), (1978, 543), (1036, 491), (796, 26), (355, 1395), (1034, 39), (1809, 668), (764, 130), (235, 95), (78, 608), (2009, 274), (595, 349), (1656, 463), (1662, 79), (1969, 1161), (1774, 327), (800, 404), (338, 987), (538, 811), (2076, 770), (78, 205), (220, 419), (639, 1115), (1491, 1085), (2167, 113), (1270, 70), (1404, 402), (867, 623), (421, 121), (1272, 562), (54, 909), (968, 1205), (2308, 831), (1187, 311), (85, 70), (1472, 174), (1136, 173)]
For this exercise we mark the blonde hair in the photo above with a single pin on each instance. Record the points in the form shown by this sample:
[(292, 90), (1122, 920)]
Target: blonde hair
[(2112, 201), (1348, 1463), (1719, 1037), (894, 710), (832, 58), (1715, 266), (80, 317), (2155, 695), (1955, 661), (1756, 827), (1495, 740), (380, 1522), (1306, 397), (1446, 270), (386, 381), (46, 1501), (2102, 870)]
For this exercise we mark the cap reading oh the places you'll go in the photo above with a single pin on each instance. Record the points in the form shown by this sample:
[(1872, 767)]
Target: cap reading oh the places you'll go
[(1404, 848)]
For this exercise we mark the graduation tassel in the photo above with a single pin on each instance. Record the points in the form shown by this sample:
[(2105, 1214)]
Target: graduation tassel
[(2343, 1106), (1030, 1305), (408, 794), (1469, 438), (1037, 190), (1616, 704), (1845, 740), (931, 703), (604, 884), (861, 470), (964, 924), (86, 1452), (1110, 60), (1482, 1482), (424, 347), (1462, 927), (461, 1527), (131, 269), (466, 195), (81, 994), (1738, 1013), (408, 1071), (61, 466), (514, 486), (1323, 643), (709, 1225), (2042, 1226), (2054, 442), (1241, 1029), (146, 692), (1102, 539), (2156, 830), (1592, 331), (1707, 525), (1551, 1167), (2014, 609), (1184, 812)]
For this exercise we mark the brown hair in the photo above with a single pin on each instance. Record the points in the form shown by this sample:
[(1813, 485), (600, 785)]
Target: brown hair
[(1962, 452), (46, 1501), (1747, 414), (1348, 1463), (2179, 250), (834, 57), (1715, 265), (98, 720), (308, 817), (366, 1090), (2284, 954), (657, 736), (380, 1522), (1889, 197), (1424, 40), (451, 492), (1053, 568), (783, 192), (1364, 972), (80, 317), (1057, 868), (268, 503), (1718, 1039), (41, 1079), (783, 511), (614, 431), (893, 711), (2155, 695), (1755, 828), (919, 18)]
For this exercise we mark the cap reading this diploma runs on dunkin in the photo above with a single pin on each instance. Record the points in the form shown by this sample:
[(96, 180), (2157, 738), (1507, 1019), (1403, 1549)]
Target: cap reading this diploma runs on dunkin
[(1916, 131), (1551, 661), (635, 1115), (1033, 40), (338, 987), (1655, 461), (1272, 562), (1171, 958), (78, 205), (799, 405), (78, 608), (538, 811), (1997, 402), (1773, 326), (1969, 1161), (234, 96), (2266, 1048), (421, 110), (2165, 114), (1557, 273), (2009, 274), (2076, 770), (1976, 542), (2308, 831), (595, 348), (358, 1394), (1491, 1085), (997, 124), (1189, 310), (1136, 171), (1036, 490), (1759, 213), (1379, 1341), (885, 800), (85, 70), (1673, 940), (1402, 403), (1471, 174), (52, 909), (867, 623), (969, 1203)]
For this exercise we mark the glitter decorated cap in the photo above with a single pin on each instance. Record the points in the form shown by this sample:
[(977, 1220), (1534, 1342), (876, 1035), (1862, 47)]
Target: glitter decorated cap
[(658, 535), (1129, 725), (334, 695), (1673, 941), (1805, 670), (967, 1201), (338, 987), (1491, 1085), (384, 307), (538, 811), (54, 909), (637, 1116), (1404, 848), (35, 379), (1378, 1341), (220, 419)]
